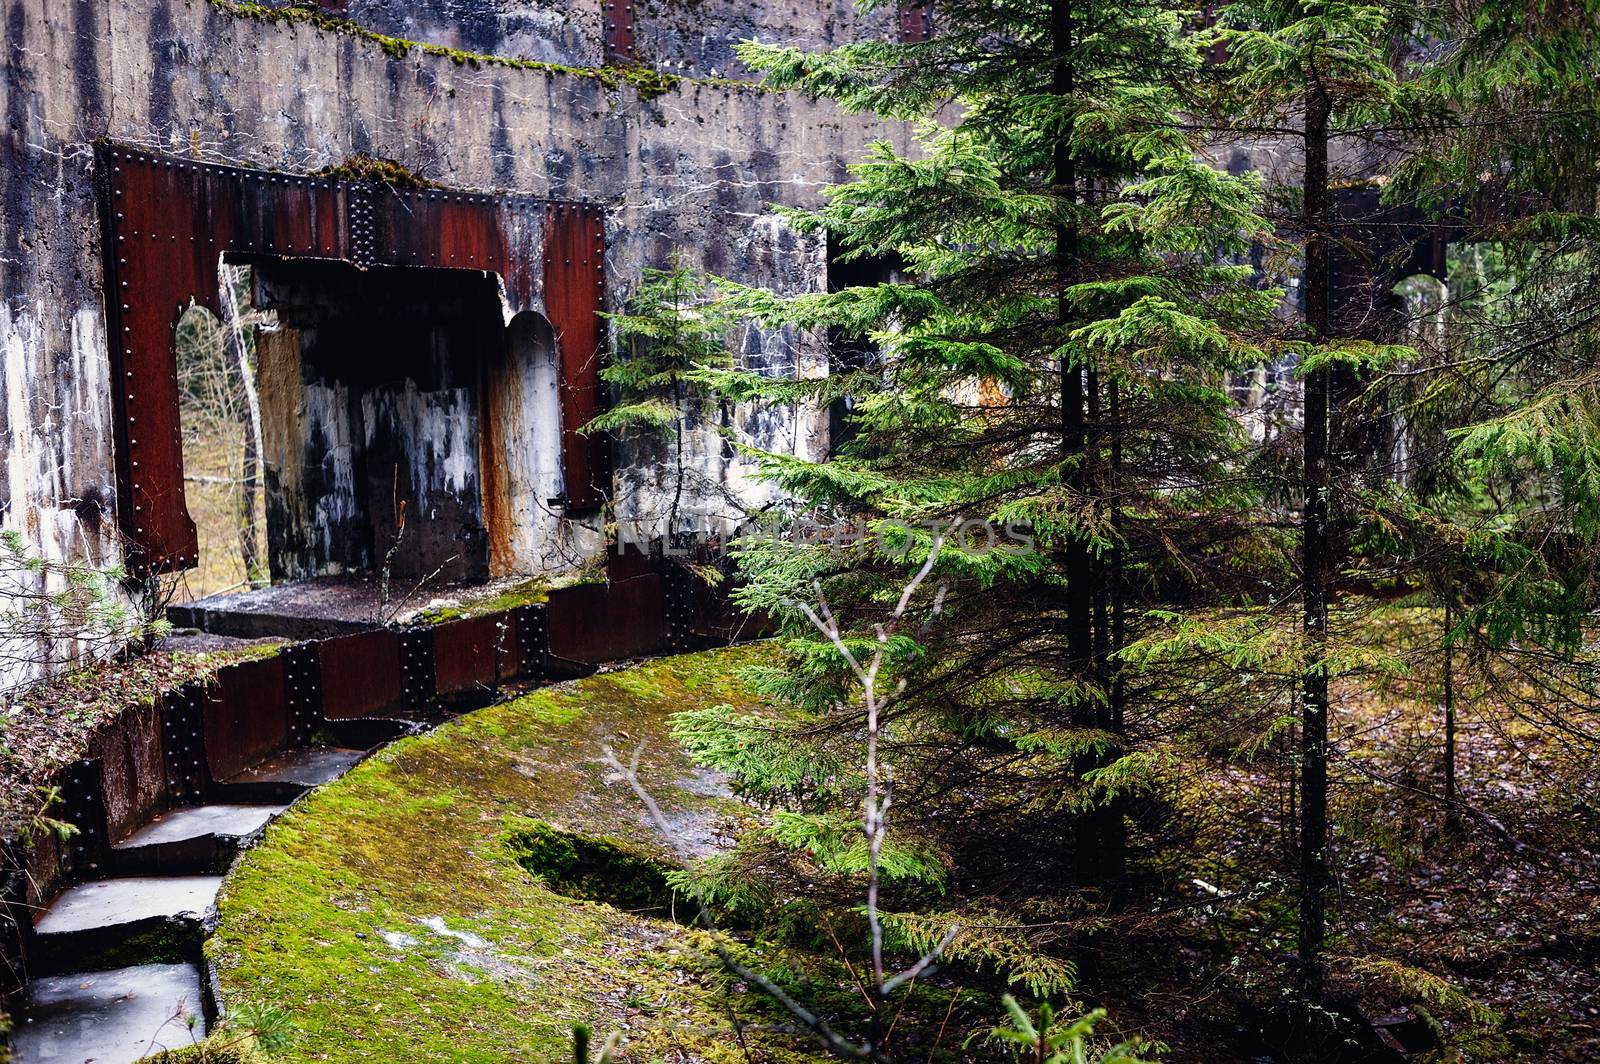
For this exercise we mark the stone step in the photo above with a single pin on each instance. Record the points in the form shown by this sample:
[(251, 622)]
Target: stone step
[(284, 776), (109, 922), (110, 1017), (197, 839), (180, 825)]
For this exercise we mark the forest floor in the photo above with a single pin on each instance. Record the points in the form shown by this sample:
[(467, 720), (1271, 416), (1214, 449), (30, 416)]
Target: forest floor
[(396, 908), (399, 907), (213, 490), (1482, 938)]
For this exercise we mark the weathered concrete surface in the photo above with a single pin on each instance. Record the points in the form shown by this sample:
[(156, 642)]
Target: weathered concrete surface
[(309, 766), (108, 903), (196, 821), (689, 171), (683, 36), (303, 609), (110, 1017)]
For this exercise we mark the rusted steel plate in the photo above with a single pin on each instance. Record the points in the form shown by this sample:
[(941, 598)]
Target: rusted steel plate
[(167, 222), (574, 290), (916, 21), (246, 716), (183, 743), (595, 623), (474, 653), (43, 860), (418, 683), (530, 626), (618, 16), (133, 767), (360, 675)]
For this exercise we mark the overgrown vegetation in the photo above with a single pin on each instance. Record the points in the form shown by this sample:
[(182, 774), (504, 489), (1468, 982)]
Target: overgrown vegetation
[(370, 168), (54, 613), (389, 915), (48, 724), (1149, 592), (673, 333), (598, 869)]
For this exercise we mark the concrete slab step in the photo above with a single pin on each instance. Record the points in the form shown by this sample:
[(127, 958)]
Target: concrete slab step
[(296, 770), (112, 922), (109, 903), (180, 825), (110, 1017), (200, 839)]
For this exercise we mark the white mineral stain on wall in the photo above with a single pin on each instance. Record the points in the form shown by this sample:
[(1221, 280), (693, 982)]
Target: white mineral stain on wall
[(88, 461), (527, 410), (436, 429), (327, 417), (56, 449)]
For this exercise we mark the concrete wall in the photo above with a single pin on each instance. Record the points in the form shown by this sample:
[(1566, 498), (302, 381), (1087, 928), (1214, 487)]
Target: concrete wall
[(682, 36), (689, 171)]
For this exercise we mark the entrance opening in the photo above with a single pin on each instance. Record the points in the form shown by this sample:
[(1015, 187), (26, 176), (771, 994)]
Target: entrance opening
[(221, 441), (408, 440), (849, 353), (369, 388)]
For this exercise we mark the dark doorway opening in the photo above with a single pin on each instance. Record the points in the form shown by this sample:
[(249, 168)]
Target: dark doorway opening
[(848, 353), (408, 437), (370, 393)]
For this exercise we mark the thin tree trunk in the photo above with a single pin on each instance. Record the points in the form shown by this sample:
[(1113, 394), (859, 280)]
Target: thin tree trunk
[(1314, 678), (1452, 820), (1116, 626), (1080, 598), (249, 478)]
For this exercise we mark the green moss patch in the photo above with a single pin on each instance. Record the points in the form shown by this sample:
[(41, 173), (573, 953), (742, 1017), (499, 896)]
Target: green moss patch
[(393, 914), (527, 593), (647, 82), (595, 869), (371, 168)]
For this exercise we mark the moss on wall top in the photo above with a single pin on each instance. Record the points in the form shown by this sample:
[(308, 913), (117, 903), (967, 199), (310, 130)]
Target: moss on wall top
[(647, 82), (364, 167), (523, 593), (393, 915), (48, 725)]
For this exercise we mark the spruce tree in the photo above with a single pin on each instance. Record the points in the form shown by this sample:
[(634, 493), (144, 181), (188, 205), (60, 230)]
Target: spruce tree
[(671, 332), (1050, 407), (1312, 72)]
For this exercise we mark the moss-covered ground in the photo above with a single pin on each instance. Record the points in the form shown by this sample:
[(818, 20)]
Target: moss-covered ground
[(391, 915)]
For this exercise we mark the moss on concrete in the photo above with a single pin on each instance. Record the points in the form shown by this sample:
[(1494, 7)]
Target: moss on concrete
[(528, 593), (647, 82), (392, 915), (364, 167)]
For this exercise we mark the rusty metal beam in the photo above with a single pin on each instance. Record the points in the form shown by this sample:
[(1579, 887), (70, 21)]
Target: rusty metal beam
[(574, 267), (916, 21)]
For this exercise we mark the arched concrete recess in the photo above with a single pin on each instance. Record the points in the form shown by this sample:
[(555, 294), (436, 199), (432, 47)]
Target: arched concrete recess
[(521, 447)]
